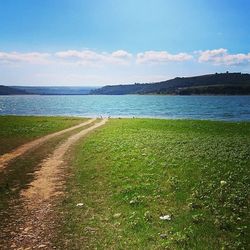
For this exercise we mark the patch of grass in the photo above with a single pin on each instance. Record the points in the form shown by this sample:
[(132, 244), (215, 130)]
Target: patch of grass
[(132, 171), (16, 130)]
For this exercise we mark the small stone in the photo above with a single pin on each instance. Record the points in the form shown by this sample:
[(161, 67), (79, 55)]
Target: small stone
[(117, 215), (90, 229), (41, 246), (27, 229), (163, 236)]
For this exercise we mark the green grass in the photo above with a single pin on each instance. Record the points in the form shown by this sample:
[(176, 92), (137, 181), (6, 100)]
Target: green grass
[(132, 171), (16, 130)]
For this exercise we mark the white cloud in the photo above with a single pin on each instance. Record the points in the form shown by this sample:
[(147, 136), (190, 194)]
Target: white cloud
[(92, 67), (222, 57), (32, 57), (162, 57), (121, 57), (89, 57), (122, 54)]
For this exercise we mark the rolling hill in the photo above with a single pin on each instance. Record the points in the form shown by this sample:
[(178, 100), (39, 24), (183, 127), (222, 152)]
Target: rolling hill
[(42, 90), (213, 84), (5, 90), (55, 90)]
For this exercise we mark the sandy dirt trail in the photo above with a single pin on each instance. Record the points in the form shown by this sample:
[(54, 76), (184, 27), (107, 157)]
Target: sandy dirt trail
[(43, 187), (37, 226), (6, 158)]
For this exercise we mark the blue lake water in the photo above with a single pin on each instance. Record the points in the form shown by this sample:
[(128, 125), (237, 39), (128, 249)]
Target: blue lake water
[(231, 108)]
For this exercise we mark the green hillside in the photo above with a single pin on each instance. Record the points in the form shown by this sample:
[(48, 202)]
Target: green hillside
[(213, 84)]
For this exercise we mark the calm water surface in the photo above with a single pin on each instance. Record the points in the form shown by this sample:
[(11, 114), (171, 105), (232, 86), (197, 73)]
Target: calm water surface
[(231, 108)]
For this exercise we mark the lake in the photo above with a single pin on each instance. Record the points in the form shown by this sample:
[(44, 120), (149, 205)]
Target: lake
[(229, 108)]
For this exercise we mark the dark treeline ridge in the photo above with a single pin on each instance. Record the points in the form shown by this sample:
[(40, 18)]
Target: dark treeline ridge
[(55, 90), (5, 90), (36, 90), (212, 84)]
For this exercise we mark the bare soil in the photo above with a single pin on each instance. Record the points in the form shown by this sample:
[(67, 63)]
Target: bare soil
[(6, 158)]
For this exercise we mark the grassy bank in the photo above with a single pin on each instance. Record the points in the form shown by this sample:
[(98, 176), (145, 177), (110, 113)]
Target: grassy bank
[(192, 174), (16, 130)]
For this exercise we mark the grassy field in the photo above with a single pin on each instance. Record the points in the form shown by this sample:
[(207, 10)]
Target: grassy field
[(159, 184), (16, 130)]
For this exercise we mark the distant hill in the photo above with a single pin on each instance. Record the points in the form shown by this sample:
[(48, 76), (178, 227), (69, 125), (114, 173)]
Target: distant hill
[(20, 90), (4, 90), (56, 90), (213, 84)]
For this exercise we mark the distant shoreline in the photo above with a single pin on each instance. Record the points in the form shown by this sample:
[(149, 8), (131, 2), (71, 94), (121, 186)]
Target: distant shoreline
[(213, 84), (248, 94)]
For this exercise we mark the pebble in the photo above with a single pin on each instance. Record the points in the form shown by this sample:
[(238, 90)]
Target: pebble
[(27, 229), (91, 229), (163, 236), (117, 215), (41, 246)]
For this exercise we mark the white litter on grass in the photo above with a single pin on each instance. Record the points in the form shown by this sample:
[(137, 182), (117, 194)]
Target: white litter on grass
[(132, 202), (223, 183), (165, 217), (79, 204)]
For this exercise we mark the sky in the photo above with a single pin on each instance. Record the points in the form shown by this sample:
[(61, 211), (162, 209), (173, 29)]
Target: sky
[(99, 42)]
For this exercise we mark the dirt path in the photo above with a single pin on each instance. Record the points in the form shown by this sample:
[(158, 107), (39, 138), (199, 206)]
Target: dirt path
[(43, 187), (6, 158), (36, 228)]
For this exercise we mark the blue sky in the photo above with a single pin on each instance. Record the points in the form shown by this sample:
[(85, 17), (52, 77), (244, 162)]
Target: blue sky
[(96, 42)]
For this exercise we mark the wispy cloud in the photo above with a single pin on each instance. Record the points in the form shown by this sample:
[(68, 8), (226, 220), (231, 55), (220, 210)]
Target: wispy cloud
[(222, 57), (90, 57), (121, 54), (87, 66), (121, 57), (32, 57), (74, 57), (162, 57)]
